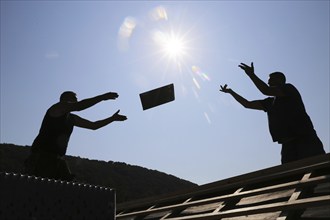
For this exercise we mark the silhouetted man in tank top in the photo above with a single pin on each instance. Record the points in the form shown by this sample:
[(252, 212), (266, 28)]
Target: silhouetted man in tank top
[(289, 124), (49, 147)]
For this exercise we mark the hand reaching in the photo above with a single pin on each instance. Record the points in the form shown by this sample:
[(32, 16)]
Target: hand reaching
[(225, 89), (249, 70), (118, 117), (110, 95)]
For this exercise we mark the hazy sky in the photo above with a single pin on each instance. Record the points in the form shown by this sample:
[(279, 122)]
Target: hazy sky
[(92, 47)]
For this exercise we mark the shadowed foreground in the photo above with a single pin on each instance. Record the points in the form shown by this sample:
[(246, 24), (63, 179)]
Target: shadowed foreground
[(297, 190), (29, 197)]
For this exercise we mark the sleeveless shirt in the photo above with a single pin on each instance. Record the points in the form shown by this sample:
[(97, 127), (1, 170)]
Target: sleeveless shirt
[(54, 134)]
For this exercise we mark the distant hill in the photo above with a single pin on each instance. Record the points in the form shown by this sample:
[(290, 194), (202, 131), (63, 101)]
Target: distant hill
[(131, 182)]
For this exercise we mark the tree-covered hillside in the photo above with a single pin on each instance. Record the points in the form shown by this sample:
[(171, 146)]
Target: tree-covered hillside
[(131, 182)]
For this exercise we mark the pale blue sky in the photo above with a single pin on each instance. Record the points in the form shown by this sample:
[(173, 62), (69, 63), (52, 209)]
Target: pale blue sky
[(48, 47)]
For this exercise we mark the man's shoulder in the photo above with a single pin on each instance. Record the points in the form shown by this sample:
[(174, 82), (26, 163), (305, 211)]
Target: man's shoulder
[(57, 110), (289, 85), (289, 89)]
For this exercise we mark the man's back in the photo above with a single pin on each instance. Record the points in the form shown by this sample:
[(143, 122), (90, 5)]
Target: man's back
[(287, 116), (54, 134)]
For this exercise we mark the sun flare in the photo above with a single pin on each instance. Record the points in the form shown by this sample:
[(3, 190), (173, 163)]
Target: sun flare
[(174, 47), (171, 45)]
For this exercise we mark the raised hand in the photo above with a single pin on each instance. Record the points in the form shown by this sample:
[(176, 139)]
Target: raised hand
[(118, 117), (249, 70), (225, 89)]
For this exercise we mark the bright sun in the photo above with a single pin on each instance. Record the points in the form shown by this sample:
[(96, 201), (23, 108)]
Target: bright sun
[(171, 45), (174, 47)]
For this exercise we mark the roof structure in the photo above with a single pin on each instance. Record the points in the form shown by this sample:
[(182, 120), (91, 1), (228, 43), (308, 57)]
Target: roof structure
[(297, 190), (30, 197)]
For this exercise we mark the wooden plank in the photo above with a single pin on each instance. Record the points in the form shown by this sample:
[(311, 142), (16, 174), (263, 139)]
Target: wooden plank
[(264, 197), (286, 215), (165, 216), (223, 204), (220, 206), (176, 211), (210, 207), (318, 212), (262, 216), (150, 208)]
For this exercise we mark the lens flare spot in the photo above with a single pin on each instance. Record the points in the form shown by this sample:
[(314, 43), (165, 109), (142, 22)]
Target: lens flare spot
[(125, 32), (197, 70), (127, 27), (159, 13), (207, 117), (196, 83)]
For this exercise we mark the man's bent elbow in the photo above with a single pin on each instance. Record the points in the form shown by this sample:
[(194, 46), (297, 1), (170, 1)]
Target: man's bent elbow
[(247, 106)]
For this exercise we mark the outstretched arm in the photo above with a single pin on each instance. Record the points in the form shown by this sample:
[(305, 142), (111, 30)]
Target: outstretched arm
[(84, 123), (86, 103), (261, 85), (247, 104), (249, 70), (62, 108)]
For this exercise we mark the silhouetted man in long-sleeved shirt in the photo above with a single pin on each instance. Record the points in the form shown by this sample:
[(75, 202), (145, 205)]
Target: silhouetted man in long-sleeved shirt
[(289, 124)]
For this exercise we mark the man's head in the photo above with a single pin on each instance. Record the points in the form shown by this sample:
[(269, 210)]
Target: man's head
[(276, 79), (68, 96)]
